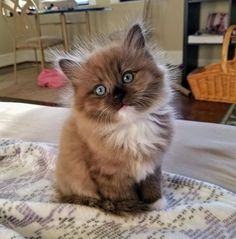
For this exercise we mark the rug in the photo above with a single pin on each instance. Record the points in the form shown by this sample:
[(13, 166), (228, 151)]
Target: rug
[(28, 208), (230, 117)]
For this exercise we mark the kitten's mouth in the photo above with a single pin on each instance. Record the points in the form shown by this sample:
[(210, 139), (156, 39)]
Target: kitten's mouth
[(124, 106)]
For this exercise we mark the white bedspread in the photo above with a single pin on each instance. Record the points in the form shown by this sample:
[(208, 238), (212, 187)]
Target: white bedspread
[(28, 208)]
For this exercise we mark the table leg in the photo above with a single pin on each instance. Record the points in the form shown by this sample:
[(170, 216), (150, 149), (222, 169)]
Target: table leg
[(40, 44), (64, 31), (88, 23)]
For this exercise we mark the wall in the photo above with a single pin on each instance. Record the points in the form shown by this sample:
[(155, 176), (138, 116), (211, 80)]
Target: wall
[(5, 42), (166, 21)]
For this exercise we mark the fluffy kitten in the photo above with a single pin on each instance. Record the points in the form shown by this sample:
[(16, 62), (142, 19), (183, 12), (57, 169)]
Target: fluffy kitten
[(120, 126)]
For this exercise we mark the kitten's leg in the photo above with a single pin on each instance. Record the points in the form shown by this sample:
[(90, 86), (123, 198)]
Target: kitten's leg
[(111, 206), (150, 191), (74, 179)]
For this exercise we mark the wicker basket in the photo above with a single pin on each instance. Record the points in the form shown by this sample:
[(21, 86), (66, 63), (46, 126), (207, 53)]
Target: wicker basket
[(216, 82)]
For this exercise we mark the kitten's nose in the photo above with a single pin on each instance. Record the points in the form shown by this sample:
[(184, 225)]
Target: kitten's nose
[(118, 94)]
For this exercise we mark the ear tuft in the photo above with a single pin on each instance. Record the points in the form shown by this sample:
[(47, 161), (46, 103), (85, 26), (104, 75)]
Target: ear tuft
[(135, 38)]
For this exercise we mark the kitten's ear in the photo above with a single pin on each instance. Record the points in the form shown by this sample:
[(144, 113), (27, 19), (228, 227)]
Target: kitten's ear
[(135, 38), (69, 68)]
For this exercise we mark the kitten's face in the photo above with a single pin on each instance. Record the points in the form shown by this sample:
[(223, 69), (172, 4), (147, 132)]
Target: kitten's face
[(118, 83)]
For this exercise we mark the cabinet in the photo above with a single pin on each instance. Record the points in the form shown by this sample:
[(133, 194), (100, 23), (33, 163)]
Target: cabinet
[(191, 26)]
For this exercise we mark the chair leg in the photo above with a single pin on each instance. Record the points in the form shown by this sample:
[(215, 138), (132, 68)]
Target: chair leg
[(15, 76), (88, 23), (64, 31), (36, 58), (42, 58)]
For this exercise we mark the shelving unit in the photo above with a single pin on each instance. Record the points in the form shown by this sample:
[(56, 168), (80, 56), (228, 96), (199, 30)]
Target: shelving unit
[(192, 42)]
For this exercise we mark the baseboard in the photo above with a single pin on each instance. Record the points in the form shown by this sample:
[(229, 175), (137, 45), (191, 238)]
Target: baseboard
[(175, 57), (6, 59), (22, 56)]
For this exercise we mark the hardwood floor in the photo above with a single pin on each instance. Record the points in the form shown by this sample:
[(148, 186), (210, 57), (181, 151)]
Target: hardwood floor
[(26, 86), (27, 91), (188, 108), (36, 102)]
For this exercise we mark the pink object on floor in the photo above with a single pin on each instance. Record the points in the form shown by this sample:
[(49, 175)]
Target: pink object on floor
[(51, 78)]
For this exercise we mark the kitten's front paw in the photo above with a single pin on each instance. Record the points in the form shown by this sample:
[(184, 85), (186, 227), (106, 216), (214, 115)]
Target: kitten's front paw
[(160, 204), (149, 189)]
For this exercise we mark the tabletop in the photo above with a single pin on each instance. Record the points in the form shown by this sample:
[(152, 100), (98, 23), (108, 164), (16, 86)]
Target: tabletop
[(75, 9)]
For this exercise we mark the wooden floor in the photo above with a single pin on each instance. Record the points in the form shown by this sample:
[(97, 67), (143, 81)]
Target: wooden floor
[(26, 86), (188, 108), (27, 91)]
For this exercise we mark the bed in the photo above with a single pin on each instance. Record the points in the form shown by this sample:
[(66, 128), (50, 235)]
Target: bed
[(199, 174)]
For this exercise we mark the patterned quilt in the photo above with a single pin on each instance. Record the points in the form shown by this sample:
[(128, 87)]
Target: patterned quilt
[(28, 208)]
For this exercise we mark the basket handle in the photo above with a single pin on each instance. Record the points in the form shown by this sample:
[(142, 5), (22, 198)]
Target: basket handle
[(225, 47)]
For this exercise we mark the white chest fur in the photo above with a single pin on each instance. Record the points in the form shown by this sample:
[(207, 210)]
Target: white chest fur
[(140, 137)]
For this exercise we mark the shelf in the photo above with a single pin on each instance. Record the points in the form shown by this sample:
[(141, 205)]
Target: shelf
[(208, 39), (196, 1), (205, 39)]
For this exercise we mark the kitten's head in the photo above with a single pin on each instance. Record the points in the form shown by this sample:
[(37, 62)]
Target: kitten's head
[(117, 83)]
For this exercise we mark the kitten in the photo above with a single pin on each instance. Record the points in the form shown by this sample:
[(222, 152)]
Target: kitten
[(120, 127)]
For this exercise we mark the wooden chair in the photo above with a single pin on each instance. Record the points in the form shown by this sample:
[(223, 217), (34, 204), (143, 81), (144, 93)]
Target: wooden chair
[(25, 28)]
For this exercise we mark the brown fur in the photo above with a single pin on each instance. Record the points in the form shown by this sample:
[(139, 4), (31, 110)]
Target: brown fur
[(91, 168)]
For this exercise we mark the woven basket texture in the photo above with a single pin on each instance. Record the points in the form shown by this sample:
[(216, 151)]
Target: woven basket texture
[(216, 82)]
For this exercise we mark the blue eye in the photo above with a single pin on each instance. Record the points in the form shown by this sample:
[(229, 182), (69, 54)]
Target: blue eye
[(100, 90), (127, 77)]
